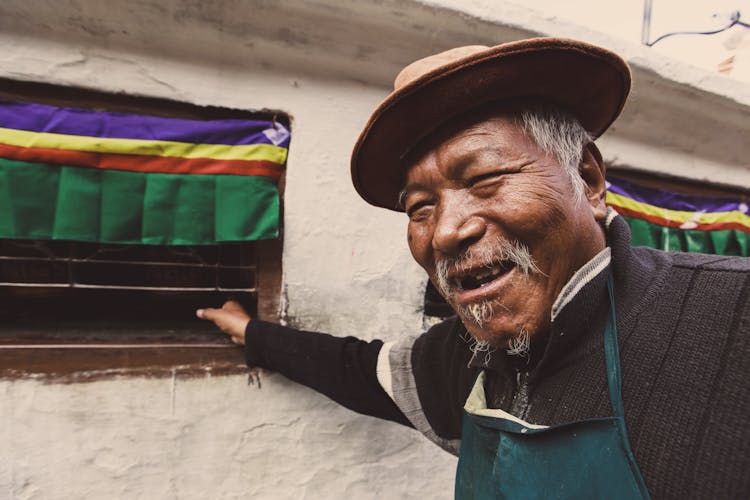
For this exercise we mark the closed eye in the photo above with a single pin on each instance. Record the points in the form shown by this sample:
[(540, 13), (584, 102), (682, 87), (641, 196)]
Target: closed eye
[(477, 179), (418, 210)]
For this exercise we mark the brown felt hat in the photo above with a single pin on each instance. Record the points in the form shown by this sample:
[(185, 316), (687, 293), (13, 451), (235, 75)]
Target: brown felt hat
[(588, 81)]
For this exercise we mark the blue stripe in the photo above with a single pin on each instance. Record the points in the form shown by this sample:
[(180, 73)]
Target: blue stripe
[(106, 124)]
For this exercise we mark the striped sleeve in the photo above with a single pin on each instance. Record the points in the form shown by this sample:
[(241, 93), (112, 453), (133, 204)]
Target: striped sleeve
[(427, 377), (341, 368), (421, 380)]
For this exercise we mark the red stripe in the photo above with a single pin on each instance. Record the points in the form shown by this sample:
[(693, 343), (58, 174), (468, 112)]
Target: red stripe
[(142, 163), (661, 221)]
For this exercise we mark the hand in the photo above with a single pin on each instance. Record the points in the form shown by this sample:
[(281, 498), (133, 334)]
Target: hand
[(231, 319)]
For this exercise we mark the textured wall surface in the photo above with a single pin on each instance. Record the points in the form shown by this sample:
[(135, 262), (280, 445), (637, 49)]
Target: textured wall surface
[(346, 266), (346, 270), (213, 437)]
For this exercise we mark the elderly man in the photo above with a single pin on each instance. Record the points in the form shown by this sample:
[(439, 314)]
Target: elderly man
[(577, 366)]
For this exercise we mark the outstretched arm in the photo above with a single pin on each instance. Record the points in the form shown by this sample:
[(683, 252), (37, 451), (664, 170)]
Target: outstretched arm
[(344, 369)]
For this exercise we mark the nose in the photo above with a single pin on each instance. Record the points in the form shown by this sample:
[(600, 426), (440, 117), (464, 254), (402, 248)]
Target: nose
[(456, 229)]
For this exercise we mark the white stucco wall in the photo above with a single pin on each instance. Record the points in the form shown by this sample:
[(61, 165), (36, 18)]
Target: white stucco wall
[(204, 438), (346, 267)]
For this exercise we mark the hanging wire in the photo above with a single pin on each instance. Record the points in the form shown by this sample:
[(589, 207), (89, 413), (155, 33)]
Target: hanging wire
[(646, 26), (734, 20)]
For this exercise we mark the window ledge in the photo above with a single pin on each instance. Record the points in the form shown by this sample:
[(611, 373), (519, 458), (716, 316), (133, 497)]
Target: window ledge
[(88, 362)]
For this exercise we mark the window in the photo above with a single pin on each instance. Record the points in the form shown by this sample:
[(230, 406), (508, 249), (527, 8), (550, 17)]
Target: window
[(120, 216)]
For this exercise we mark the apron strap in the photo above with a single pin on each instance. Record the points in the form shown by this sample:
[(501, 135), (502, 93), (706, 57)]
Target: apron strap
[(614, 380), (612, 355)]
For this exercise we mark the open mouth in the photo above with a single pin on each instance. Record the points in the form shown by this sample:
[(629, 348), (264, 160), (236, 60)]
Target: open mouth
[(478, 278)]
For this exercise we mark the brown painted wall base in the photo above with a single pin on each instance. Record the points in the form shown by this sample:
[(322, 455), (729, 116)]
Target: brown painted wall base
[(70, 364)]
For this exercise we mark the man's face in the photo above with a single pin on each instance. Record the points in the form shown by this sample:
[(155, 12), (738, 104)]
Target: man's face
[(494, 222)]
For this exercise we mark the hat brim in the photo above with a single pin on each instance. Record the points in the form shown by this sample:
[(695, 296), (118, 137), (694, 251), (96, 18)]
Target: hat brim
[(588, 81)]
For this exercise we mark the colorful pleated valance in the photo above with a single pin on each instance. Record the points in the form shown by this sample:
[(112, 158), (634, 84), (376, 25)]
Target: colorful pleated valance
[(679, 222), (96, 176)]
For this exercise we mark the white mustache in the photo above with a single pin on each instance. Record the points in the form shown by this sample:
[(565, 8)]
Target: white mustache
[(488, 255)]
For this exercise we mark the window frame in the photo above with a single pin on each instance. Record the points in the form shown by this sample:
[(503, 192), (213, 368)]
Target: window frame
[(76, 361)]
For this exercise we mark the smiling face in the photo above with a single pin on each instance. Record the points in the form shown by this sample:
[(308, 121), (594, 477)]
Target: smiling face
[(494, 221)]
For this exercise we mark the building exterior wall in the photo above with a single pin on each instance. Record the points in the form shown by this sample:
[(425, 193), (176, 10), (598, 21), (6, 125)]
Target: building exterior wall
[(346, 266)]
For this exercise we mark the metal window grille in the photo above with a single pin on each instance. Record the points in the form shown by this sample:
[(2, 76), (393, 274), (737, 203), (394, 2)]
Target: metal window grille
[(89, 294), (33, 263)]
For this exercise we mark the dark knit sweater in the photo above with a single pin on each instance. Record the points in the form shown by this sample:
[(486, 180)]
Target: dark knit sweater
[(684, 331)]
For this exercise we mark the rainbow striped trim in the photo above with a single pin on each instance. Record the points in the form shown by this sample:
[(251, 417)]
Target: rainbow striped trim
[(675, 209), (119, 141), (680, 222), (97, 176)]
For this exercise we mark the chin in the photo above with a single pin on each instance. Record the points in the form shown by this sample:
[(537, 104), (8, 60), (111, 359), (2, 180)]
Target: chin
[(493, 331), (501, 328)]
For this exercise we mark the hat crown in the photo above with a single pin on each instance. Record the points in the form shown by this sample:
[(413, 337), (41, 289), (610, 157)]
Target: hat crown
[(423, 66), (590, 82)]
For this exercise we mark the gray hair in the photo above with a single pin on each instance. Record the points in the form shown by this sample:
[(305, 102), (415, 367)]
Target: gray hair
[(560, 134)]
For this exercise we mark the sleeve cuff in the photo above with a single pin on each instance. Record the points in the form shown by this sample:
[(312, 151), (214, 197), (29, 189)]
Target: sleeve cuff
[(254, 333)]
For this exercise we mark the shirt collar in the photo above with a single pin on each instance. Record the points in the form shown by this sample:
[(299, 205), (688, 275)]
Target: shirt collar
[(580, 279)]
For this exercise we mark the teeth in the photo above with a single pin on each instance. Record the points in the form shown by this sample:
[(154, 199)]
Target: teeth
[(479, 279), (488, 273)]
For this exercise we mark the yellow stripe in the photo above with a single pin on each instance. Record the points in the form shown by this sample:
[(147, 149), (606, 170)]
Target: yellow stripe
[(26, 139), (618, 200)]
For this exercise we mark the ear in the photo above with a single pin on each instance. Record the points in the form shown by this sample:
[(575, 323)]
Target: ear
[(593, 172)]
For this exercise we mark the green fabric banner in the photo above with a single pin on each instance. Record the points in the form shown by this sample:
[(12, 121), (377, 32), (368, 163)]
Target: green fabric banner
[(41, 201), (720, 242)]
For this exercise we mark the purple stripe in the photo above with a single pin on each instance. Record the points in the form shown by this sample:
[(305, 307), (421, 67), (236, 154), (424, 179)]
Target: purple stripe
[(87, 122), (675, 201)]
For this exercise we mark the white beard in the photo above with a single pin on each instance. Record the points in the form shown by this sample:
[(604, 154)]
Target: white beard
[(481, 312)]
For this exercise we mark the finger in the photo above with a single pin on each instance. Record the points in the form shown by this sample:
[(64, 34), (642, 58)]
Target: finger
[(212, 314), (220, 318), (232, 323), (207, 313)]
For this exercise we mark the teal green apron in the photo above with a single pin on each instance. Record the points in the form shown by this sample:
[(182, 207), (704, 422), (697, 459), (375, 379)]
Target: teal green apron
[(504, 457)]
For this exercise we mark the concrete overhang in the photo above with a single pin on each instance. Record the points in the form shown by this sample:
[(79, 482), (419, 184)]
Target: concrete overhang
[(680, 120)]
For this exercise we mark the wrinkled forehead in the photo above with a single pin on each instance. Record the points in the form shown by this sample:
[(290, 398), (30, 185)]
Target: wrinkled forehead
[(482, 132), (444, 136), (496, 125)]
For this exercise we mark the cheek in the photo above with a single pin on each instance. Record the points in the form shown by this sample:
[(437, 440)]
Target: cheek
[(420, 245), (534, 211)]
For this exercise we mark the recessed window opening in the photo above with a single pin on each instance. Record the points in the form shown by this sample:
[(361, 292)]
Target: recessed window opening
[(70, 290), (119, 216)]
